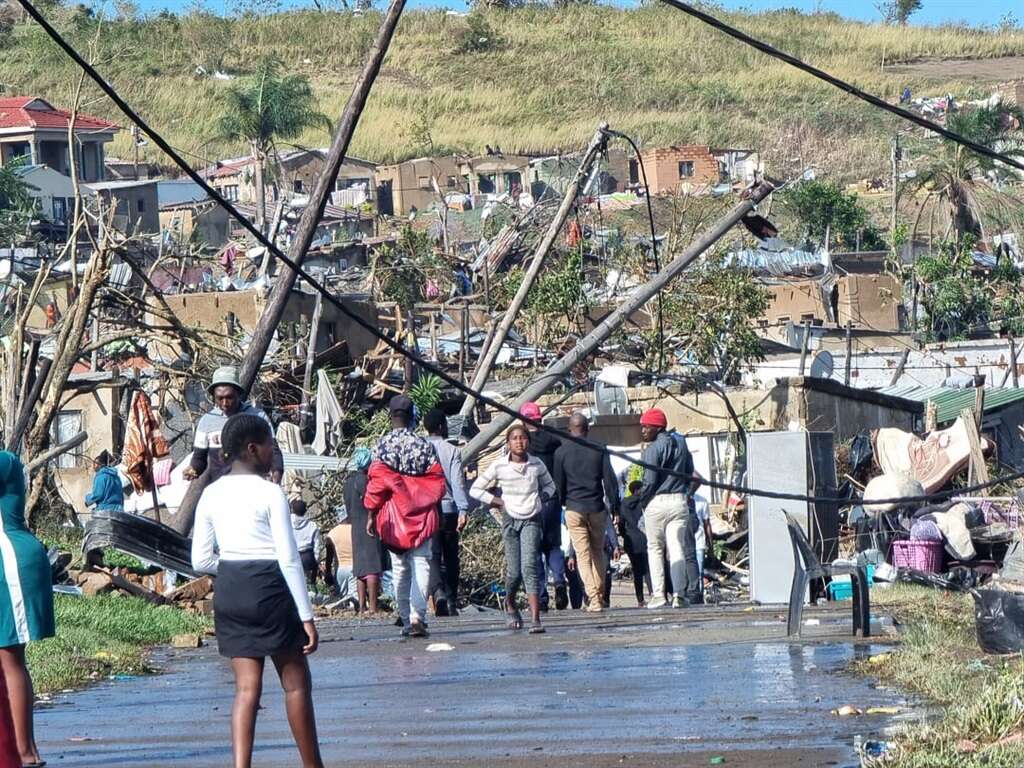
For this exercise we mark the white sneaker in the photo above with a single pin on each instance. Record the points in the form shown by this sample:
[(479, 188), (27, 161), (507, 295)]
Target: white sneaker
[(658, 603), (678, 602)]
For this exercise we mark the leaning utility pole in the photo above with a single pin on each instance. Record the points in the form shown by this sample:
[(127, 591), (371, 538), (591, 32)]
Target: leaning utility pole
[(588, 344), (897, 156), (271, 316), (490, 354)]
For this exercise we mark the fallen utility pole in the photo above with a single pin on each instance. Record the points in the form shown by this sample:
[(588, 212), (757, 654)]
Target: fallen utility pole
[(271, 316), (490, 353), (589, 343)]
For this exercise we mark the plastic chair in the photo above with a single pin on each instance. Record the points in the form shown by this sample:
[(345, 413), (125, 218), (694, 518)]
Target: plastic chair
[(806, 566)]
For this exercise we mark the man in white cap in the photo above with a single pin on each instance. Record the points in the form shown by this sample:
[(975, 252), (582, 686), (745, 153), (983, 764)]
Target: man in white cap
[(226, 393)]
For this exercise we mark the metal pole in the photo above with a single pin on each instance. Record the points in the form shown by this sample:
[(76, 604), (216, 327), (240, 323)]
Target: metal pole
[(318, 199), (1011, 371), (849, 352), (489, 355), (588, 344), (307, 374)]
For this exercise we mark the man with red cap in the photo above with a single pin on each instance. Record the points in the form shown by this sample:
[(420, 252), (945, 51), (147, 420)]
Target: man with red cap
[(665, 497)]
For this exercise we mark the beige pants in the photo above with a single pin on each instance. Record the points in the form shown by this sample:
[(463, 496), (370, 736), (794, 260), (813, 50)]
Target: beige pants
[(665, 521), (586, 529)]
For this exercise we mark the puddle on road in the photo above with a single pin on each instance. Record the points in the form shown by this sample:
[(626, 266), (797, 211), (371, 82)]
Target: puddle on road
[(403, 705)]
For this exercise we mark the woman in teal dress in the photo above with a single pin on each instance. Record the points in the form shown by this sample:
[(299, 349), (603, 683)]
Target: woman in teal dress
[(26, 601)]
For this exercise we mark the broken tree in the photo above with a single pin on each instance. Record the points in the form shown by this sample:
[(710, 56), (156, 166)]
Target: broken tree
[(587, 345)]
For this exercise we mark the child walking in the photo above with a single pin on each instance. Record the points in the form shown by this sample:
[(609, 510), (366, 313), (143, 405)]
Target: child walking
[(524, 483), (261, 606)]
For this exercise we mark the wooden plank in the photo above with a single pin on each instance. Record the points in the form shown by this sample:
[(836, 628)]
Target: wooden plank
[(978, 470)]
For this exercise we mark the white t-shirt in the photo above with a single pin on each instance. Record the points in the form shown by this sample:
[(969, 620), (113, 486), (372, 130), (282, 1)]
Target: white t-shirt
[(703, 513), (244, 517)]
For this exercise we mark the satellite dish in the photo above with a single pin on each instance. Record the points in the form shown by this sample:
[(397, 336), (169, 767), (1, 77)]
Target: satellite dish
[(822, 365), (610, 400)]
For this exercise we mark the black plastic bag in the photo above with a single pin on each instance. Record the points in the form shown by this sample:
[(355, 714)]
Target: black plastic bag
[(861, 454), (999, 620)]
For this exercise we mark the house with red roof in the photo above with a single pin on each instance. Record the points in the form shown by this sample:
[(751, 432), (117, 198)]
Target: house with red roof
[(34, 129)]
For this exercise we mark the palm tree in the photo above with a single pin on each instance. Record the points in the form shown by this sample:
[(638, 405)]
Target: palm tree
[(961, 179), (264, 109)]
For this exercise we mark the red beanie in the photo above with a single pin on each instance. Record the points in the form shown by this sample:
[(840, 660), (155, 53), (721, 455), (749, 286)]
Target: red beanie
[(531, 411), (654, 417)]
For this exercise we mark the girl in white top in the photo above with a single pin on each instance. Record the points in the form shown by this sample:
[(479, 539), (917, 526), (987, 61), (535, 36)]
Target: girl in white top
[(243, 535), (524, 483)]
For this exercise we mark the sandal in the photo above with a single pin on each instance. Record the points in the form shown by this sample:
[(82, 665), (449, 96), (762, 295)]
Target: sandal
[(537, 629), (514, 621)]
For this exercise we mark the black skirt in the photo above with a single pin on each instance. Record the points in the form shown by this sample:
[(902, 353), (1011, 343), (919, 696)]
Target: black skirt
[(254, 614)]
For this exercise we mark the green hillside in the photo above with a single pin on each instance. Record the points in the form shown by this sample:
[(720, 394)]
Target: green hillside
[(552, 75)]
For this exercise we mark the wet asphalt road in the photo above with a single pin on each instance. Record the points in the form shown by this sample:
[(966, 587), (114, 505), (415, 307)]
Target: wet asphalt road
[(636, 688)]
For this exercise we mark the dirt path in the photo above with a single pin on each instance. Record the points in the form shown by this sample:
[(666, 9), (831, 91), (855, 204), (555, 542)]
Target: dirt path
[(635, 688), (990, 70)]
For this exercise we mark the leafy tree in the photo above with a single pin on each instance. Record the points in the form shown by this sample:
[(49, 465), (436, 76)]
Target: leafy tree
[(823, 207), (402, 270), (957, 176), (954, 298), (264, 109), (898, 11), (714, 312), (16, 205)]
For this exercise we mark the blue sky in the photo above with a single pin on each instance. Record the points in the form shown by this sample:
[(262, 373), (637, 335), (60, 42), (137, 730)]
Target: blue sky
[(974, 12)]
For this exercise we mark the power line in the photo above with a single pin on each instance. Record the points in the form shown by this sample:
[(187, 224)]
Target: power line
[(842, 85), (415, 357)]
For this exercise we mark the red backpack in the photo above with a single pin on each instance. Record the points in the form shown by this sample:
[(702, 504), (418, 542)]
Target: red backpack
[(406, 505)]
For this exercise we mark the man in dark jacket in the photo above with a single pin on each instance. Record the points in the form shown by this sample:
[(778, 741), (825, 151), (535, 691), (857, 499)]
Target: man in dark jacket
[(543, 445), (587, 487), (667, 517), (634, 542)]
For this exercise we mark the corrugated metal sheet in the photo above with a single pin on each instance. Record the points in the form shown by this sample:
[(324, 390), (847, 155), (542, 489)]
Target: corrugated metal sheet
[(310, 462), (950, 402)]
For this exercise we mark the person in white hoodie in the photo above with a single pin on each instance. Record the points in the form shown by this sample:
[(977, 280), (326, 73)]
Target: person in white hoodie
[(308, 539)]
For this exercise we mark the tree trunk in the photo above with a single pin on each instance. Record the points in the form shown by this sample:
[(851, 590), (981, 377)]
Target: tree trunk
[(258, 164)]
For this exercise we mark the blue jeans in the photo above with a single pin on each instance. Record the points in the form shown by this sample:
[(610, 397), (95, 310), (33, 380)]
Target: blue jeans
[(550, 564)]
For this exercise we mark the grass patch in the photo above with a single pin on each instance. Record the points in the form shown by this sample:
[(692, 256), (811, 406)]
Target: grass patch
[(982, 696), (542, 81), (102, 636)]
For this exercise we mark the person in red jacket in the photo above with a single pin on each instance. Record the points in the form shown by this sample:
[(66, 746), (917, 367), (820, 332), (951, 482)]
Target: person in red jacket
[(405, 485)]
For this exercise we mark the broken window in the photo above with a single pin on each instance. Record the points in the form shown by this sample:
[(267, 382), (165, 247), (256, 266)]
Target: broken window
[(485, 183), (64, 427), (452, 182), (140, 205), (424, 182), (297, 186), (782, 319), (685, 169)]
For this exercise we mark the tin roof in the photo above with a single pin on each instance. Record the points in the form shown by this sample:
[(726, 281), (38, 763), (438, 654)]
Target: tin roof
[(950, 401)]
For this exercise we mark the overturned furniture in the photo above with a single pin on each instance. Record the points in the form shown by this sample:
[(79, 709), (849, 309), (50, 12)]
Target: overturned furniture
[(807, 567), (141, 537)]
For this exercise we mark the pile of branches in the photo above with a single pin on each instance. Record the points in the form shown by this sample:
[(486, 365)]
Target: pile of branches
[(481, 577)]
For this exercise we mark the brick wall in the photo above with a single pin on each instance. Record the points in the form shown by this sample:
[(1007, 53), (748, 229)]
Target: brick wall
[(663, 172)]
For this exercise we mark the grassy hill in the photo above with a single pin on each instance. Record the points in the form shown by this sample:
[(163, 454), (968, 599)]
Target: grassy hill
[(551, 77)]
